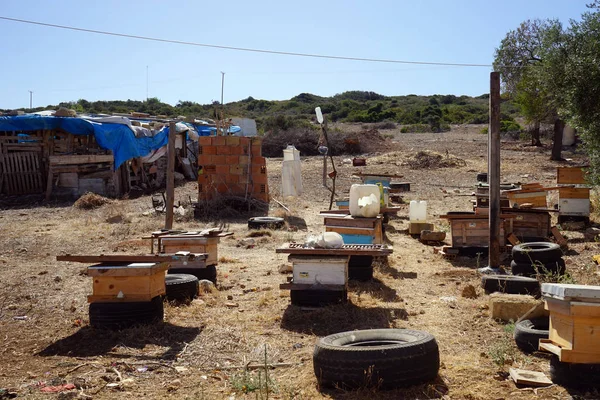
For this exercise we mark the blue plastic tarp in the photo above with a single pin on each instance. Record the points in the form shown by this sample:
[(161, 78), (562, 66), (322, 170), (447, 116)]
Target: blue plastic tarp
[(115, 137)]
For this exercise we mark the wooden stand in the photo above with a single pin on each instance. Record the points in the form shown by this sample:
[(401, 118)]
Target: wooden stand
[(127, 282), (356, 230), (194, 242)]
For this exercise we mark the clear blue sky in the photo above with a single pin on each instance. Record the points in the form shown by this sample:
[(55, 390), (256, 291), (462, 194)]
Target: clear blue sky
[(60, 65)]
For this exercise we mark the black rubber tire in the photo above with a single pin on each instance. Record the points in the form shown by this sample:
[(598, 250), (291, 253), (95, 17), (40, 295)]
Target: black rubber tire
[(317, 297), (532, 270), (360, 268), (510, 284), (529, 332), (122, 315), (385, 358), (543, 252), (181, 287), (266, 223), (577, 376), (208, 273), (482, 177)]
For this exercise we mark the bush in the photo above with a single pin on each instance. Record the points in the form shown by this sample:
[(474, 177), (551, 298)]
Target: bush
[(416, 128), (510, 126)]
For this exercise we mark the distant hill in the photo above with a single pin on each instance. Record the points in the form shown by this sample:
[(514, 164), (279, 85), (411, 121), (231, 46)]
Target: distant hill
[(352, 106)]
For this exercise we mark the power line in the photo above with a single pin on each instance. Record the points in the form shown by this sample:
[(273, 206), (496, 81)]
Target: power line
[(214, 46)]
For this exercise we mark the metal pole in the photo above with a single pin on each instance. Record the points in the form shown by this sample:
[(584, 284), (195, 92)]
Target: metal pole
[(494, 171), (30, 99), (222, 86), (146, 83), (170, 176)]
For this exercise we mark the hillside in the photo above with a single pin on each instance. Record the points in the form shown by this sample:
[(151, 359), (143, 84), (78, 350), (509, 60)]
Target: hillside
[(353, 106)]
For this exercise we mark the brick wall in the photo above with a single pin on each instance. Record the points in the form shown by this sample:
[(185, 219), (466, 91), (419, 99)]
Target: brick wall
[(231, 165)]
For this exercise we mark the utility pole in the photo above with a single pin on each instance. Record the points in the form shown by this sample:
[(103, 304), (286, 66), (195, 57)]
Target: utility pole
[(146, 83), (170, 176), (30, 99), (222, 86), (494, 173)]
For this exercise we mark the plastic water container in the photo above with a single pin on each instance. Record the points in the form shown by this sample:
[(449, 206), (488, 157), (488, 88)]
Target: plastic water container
[(291, 172), (417, 211), (364, 201)]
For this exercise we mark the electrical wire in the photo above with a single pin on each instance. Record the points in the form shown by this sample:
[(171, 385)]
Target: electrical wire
[(214, 46)]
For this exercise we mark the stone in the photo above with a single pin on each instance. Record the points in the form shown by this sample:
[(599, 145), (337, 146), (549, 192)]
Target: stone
[(285, 268), (510, 307), (206, 286), (469, 292), (573, 225), (431, 236), (591, 234)]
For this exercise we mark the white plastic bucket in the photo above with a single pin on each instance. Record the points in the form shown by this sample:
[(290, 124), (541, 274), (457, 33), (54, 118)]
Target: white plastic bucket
[(364, 201), (417, 211)]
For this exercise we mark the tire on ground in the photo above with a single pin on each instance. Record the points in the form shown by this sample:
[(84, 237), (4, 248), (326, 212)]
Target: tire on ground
[(266, 223), (577, 376), (181, 287), (122, 315), (510, 284), (543, 252), (532, 270), (528, 333), (208, 273), (360, 268), (317, 297), (385, 358)]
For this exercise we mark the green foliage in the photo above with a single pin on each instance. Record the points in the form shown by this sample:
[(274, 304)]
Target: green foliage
[(510, 126)]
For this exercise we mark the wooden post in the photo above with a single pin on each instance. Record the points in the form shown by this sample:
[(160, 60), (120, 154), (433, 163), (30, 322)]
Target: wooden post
[(494, 171), (170, 176)]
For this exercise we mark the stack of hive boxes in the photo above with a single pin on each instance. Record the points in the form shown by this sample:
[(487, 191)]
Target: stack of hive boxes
[(231, 165)]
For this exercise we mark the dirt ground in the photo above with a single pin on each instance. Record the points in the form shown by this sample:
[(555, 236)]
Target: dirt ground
[(200, 350)]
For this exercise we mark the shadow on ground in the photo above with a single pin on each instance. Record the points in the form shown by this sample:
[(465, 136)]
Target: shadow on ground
[(88, 342), (376, 289), (339, 318), (436, 389)]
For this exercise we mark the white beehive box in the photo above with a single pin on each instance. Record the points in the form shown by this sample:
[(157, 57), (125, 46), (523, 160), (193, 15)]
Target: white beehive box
[(320, 270), (561, 291), (576, 207)]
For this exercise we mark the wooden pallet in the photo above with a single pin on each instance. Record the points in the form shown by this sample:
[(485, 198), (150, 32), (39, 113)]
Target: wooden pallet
[(21, 173), (345, 250)]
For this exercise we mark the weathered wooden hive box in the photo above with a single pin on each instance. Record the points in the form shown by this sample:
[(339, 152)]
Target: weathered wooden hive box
[(471, 230), (193, 244), (356, 230), (324, 270), (127, 282), (574, 334)]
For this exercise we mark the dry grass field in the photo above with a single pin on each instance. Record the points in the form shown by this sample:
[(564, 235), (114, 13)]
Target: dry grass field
[(201, 350)]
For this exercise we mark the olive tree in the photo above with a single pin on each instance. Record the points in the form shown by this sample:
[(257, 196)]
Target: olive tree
[(523, 60)]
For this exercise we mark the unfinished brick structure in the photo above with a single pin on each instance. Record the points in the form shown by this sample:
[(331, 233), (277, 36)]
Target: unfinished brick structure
[(231, 165)]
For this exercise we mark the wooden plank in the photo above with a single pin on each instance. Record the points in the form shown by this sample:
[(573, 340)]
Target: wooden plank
[(125, 258), (346, 250), (573, 175), (529, 378), (560, 239), (132, 269), (81, 159), (351, 222), (574, 193), (343, 230)]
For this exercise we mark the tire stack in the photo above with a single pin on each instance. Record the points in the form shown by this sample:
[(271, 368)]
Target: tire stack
[(381, 358), (122, 315), (181, 287), (209, 272), (537, 258), (528, 333), (360, 268)]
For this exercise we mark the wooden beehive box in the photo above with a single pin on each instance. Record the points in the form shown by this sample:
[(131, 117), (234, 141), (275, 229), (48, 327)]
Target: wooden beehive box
[(527, 223), (127, 282), (193, 244), (356, 230), (574, 333), (324, 270), (471, 230)]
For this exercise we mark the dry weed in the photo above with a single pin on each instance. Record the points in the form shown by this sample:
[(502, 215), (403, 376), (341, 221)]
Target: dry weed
[(89, 201), (432, 160)]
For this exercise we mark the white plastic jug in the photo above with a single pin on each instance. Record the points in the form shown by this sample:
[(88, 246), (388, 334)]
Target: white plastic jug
[(364, 201), (417, 211), (291, 172)]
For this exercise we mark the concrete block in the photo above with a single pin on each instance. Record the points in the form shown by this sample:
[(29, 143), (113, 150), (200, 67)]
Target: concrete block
[(510, 307)]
